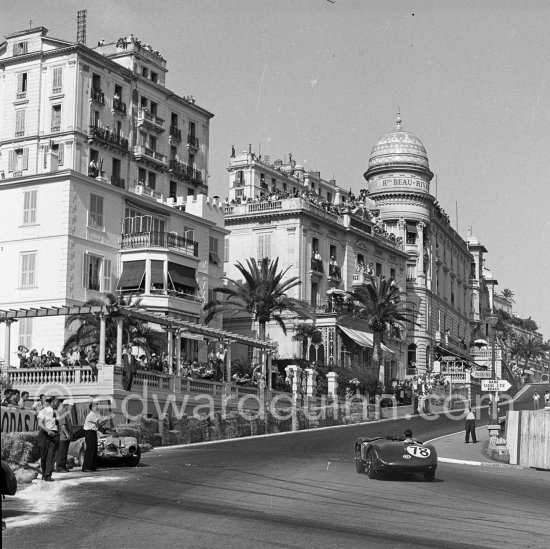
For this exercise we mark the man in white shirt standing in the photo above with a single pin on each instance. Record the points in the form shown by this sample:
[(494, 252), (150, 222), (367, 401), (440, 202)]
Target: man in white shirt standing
[(470, 426), (48, 437)]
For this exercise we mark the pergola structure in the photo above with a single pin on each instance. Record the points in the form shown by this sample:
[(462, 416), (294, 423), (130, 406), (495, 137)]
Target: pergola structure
[(175, 328)]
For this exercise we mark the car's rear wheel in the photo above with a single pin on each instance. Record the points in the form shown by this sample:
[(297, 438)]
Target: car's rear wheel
[(429, 476), (133, 461), (369, 464), (359, 467)]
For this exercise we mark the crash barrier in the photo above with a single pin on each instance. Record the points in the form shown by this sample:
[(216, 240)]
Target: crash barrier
[(18, 420), (528, 438)]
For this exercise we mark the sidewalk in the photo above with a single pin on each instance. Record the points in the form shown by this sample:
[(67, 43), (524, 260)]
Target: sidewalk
[(452, 447)]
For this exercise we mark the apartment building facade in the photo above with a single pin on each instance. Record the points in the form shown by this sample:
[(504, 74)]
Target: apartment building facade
[(103, 183)]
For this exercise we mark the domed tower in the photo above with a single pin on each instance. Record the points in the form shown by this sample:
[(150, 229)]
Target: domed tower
[(399, 179)]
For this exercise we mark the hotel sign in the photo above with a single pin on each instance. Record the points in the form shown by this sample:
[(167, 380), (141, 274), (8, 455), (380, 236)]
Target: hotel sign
[(403, 183)]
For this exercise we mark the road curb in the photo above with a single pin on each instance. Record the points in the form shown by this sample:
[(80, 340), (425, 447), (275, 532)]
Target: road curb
[(469, 462), (479, 463)]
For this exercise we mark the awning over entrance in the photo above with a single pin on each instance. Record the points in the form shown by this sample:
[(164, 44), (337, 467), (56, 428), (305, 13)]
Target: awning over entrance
[(132, 275), (362, 338), (185, 276)]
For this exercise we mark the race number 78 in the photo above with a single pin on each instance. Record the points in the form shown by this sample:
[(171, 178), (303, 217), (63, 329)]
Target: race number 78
[(419, 451)]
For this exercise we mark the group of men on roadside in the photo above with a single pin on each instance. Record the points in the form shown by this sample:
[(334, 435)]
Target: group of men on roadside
[(56, 432)]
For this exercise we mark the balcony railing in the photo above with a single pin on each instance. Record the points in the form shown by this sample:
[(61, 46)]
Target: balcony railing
[(151, 239), (146, 118), (193, 141), (119, 106), (175, 133), (181, 169), (107, 137), (118, 182), (145, 153), (317, 265), (334, 271), (98, 97), (182, 295)]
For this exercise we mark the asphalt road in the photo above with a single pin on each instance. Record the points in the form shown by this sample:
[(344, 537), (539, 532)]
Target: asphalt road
[(297, 490)]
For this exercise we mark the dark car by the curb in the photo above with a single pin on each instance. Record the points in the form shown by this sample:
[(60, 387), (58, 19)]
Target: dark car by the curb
[(8, 482), (377, 456)]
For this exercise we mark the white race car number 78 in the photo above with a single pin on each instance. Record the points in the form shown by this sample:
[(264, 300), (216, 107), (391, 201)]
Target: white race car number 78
[(419, 451)]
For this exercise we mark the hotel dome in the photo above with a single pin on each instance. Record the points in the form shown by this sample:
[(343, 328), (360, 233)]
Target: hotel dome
[(398, 150)]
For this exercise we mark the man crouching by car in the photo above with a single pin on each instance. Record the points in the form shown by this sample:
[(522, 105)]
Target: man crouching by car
[(48, 437)]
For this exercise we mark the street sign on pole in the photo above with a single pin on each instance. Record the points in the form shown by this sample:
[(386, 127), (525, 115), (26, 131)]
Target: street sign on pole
[(494, 385), (482, 374)]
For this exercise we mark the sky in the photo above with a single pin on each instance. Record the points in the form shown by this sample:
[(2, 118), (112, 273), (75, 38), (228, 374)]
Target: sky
[(322, 79)]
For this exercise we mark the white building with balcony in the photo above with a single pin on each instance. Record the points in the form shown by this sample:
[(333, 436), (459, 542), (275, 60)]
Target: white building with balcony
[(103, 184), (325, 237)]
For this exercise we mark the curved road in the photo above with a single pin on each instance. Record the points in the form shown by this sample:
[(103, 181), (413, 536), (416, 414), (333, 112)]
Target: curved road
[(297, 490)]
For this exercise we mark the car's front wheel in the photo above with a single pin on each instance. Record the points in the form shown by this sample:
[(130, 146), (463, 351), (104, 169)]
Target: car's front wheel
[(429, 476), (359, 467), (133, 461), (369, 464)]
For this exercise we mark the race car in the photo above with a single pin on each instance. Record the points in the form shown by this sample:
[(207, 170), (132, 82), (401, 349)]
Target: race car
[(110, 447), (393, 454)]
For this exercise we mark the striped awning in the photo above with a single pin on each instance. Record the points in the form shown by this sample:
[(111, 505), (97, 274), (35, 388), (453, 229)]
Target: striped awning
[(364, 339)]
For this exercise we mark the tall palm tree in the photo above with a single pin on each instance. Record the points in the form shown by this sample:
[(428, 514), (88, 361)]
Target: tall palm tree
[(134, 330), (379, 302), (262, 294)]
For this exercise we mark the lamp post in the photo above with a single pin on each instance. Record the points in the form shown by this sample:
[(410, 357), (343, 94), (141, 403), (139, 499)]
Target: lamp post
[(493, 320)]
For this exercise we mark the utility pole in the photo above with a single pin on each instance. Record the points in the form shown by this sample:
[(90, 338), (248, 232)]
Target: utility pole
[(81, 26)]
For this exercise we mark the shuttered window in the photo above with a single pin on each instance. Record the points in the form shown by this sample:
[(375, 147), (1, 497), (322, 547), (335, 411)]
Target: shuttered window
[(29, 207), (19, 123), (91, 272), (95, 218), (56, 118), (22, 81), (106, 275), (57, 80), (27, 270), (25, 332), (264, 246)]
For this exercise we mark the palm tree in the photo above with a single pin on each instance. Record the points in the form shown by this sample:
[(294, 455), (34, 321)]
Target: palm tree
[(379, 302), (529, 347), (508, 295), (262, 294), (134, 331)]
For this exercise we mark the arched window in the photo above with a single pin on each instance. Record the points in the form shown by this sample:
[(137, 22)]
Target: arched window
[(411, 356)]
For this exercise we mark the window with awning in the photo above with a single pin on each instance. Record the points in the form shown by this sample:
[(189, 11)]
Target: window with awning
[(133, 275), (182, 276)]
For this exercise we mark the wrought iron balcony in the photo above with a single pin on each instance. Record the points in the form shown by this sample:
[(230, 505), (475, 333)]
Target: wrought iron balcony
[(156, 239), (108, 138), (150, 121), (98, 97), (180, 169), (175, 133), (317, 265), (118, 182), (334, 271), (119, 106), (192, 142)]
